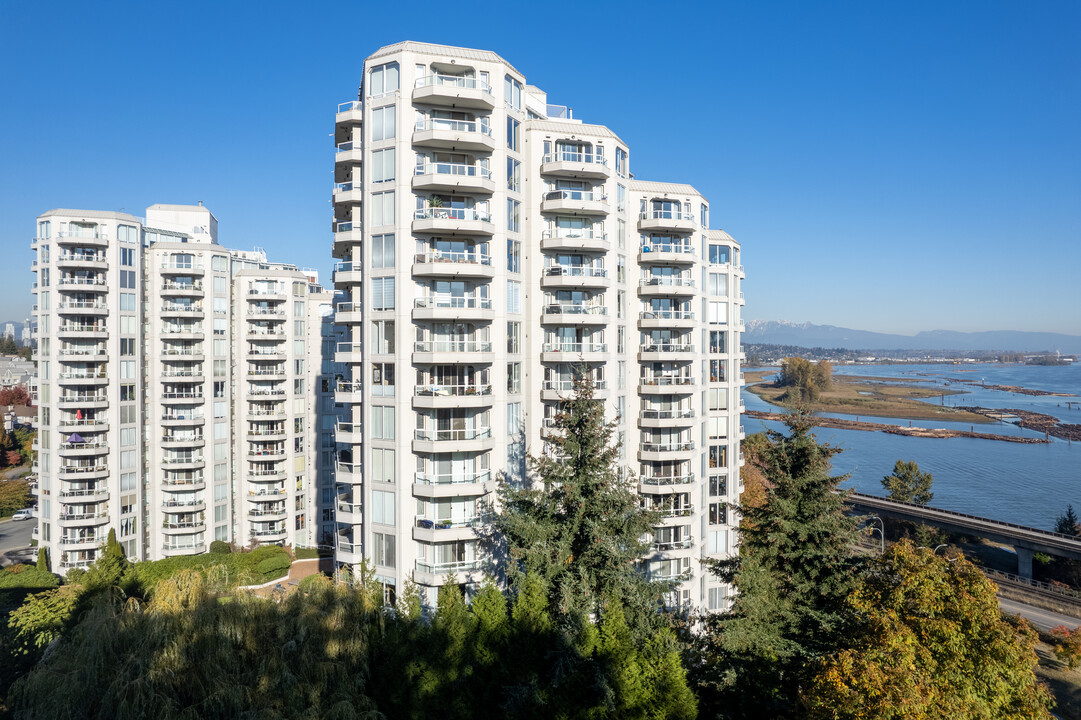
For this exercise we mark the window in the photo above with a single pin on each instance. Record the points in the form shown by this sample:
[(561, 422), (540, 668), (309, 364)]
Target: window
[(384, 122), (718, 284), (127, 257), (513, 213), (127, 393), (514, 296), (383, 507), (514, 256), (621, 162), (718, 399), (383, 422), (219, 263), (514, 337), (718, 485), (514, 419), (383, 549), (512, 92), (298, 386), (717, 596), (127, 279), (383, 251), (383, 293), (718, 456), (382, 211), (383, 165), (621, 269), (717, 312), (514, 377), (128, 414), (621, 195), (382, 465), (383, 379), (514, 175), (382, 80), (704, 216), (718, 255), (621, 234), (718, 513), (127, 234), (221, 287), (512, 134), (383, 336), (717, 341)]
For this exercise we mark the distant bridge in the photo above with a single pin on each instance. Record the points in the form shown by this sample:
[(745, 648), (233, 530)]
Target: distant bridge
[(1025, 540)]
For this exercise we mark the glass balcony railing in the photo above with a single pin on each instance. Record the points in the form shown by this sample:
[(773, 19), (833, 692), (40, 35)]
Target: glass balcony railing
[(438, 435), (575, 156), (571, 309), (452, 346), (466, 390), (451, 213), (574, 271), (452, 478), (447, 256), (451, 301), (658, 214), (457, 81), (469, 126), (583, 195), (454, 169), (582, 347)]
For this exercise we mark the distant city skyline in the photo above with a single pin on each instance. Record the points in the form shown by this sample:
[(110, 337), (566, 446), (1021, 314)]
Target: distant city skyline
[(887, 168)]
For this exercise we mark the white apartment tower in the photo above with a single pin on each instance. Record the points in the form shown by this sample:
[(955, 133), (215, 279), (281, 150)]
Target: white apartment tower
[(175, 381), (491, 247)]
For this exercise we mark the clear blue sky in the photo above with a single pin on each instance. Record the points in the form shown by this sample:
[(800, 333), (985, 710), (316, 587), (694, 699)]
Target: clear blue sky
[(896, 166)]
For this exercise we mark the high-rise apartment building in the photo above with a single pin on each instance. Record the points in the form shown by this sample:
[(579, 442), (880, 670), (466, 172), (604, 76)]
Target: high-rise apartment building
[(491, 249), (175, 385)]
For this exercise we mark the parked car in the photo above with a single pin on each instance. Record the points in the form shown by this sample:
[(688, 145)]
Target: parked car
[(24, 514)]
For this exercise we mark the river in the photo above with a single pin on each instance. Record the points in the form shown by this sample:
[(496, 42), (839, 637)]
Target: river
[(1020, 483)]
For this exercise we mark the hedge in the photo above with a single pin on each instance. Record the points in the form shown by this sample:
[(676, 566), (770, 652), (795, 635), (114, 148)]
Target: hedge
[(149, 574)]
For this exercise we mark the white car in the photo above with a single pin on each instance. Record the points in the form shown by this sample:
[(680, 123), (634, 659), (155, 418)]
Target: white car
[(24, 514)]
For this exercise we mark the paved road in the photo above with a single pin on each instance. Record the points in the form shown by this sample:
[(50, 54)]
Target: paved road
[(16, 534), (1043, 619)]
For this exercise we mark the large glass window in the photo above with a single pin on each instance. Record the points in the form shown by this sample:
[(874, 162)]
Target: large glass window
[(383, 293), (384, 122), (382, 210), (513, 215), (382, 80), (383, 251), (513, 127), (512, 92), (383, 165)]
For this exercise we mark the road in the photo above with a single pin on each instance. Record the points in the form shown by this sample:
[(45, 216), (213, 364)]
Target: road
[(1043, 619), (15, 534)]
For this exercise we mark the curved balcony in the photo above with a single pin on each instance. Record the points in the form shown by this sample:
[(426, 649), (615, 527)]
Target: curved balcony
[(178, 550), (265, 354), (666, 221), (182, 441), (190, 354), (174, 419), (195, 462), (92, 495), (71, 379), (575, 240), (433, 574), (349, 553), (181, 398), (265, 293), (266, 454), (175, 289), (432, 485), (666, 286), (182, 506), (173, 310), (574, 352), (448, 352), (452, 396), (453, 178), (71, 425), (182, 376), (555, 390), (575, 202), (454, 91), (677, 450), (666, 385), (349, 113), (82, 284), (666, 418), (685, 543), (460, 135), (662, 319), (575, 165), (73, 331), (83, 402), (660, 352), (83, 519), (270, 536), (83, 307), (264, 515), (435, 530), (194, 269), (453, 264), (267, 434), (183, 485), (82, 543), (83, 449), (559, 276), (80, 354), (267, 374), (666, 253), (457, 440), (347, 193), (183, 527), (346, 433), (451, 307), (452, 221), (81, 261), (346, 236), (348, 313), (348, 473), (82, 238), (557, 314)]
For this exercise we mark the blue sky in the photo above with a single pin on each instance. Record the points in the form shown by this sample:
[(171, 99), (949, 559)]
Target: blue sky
[(896, 166)]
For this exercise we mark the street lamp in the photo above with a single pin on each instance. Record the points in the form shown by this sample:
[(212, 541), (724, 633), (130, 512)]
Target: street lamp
[(881, 532)]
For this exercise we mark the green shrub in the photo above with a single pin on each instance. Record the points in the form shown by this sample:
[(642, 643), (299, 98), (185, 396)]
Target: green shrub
[(318, 580), (265, 551), (272, 567), (219, 547)]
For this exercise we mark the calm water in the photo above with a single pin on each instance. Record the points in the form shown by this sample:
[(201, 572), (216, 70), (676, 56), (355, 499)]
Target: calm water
[(1026, 484)]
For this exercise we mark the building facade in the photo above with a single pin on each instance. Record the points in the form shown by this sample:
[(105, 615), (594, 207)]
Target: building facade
[(174, 379), (492, 248)]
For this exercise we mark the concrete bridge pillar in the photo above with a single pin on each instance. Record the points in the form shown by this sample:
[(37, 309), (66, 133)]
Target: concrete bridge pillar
[(1024, 562)]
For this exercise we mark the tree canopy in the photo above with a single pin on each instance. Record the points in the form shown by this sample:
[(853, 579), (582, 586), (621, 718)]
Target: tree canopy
[(908, 483), (805, 379)]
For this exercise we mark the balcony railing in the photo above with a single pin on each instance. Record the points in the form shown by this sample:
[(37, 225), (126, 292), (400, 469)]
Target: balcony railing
[(670, 446), (452, 478), (456, 169), (441, 256), (459, 81), (450, 213), (674, 414), (434, 435), (182, 286), (452, 390), (667, 380), (183, 460), (575, 156), (453, 125), (584, 195), (452, 346), (83, 305), (667, 347), (570, 309), (83, 398), (446, 524), (667, 282), (454, 301), (574, 234), (67, 280), (573, 271), (81, 257), (666, 315), (582, 347), (82, 469), (77, 351), (681, 544), (667, 215), (451, 567), (678, 248), (568, 385)]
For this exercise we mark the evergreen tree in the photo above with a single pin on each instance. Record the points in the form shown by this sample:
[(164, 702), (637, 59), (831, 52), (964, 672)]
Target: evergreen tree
[(794, 573), (43, 559), (908, 484), (1067, 523), (579, 528)]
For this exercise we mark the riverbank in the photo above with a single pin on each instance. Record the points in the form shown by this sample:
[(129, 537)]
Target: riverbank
[(1029, 420), (881, 397), (939, 433)]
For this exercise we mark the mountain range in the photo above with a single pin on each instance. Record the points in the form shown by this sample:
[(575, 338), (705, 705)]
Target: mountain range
[(782, 332)]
